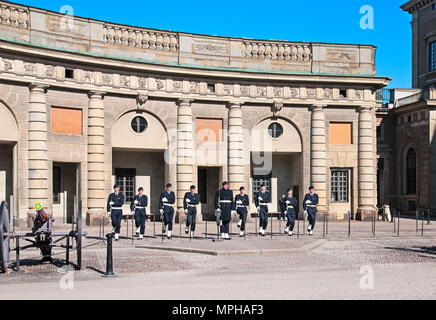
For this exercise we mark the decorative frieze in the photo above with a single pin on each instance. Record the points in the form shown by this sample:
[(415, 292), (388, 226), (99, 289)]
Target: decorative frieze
[(140, 38), (300, 53), (14, 16)]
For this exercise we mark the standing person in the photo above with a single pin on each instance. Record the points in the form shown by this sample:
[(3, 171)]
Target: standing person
[(224, 202), (190, 203), (290, 204), (138, 208), (242, 202), (282, 203), (311, 200), (166, 202), (115, 210), (262, 199)]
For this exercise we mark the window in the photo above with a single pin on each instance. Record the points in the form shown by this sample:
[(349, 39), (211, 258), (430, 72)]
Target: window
[(139, 124), (343, 93), (433, 6), (340, 185), (211, 88), (411, 171), (258, 180), (126, 179), (69, 73), (275, 130), (432, 56), (56, 185)]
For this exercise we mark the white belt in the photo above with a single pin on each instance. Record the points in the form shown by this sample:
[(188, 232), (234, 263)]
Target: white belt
[(241, 206), (139, 207), (290, 207), (192, 205), (167, 204), (263, 204), (226, 201), (312, 206), (116, 208)]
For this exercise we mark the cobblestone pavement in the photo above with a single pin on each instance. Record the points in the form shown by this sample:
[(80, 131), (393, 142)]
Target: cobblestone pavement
[(403, 268)]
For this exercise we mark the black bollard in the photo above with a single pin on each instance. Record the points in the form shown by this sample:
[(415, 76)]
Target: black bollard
[(298, 226), (428, 216), (324, 226), (349, 224), (109, 260), (398, 227), (422, 223)]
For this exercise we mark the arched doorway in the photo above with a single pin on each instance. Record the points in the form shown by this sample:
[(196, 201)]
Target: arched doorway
[(276, 158), (8, 155), (139, 142)]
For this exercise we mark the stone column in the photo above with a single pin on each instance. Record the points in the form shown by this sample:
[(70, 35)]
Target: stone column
[(37, 147), (96, 165), (318, 156), (235, 148), (185, 150), (367, 162)]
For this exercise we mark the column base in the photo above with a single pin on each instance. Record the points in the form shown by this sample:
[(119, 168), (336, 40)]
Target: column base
[(365, 214)]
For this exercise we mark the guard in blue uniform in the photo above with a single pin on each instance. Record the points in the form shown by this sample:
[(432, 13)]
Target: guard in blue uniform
[(311, 200), (290, 204), (115, 204), (242, 202), (166, 202), (138, 208), (262, 199), (190, 203), (225, 205)]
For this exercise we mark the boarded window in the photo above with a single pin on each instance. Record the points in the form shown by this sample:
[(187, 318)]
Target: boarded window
[(341, 133), (209, 130), (66, 121)]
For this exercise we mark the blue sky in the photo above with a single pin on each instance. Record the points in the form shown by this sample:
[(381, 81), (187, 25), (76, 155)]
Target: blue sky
[(336, 21)]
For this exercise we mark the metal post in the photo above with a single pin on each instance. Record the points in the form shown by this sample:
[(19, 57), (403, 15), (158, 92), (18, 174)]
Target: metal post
[(304, 223), (324, 226), (422, 223), (162, 229), (280, 223), (109, 258), (272, 226), (349, 224), (416, 221), (180, 227), (154, 224), (327, 225), (428, 216), (374, 224), (399, 218), (67, 256), (255, 223), (393, 220), (133, 226), (206, 229), (298, 227), (17, 252)]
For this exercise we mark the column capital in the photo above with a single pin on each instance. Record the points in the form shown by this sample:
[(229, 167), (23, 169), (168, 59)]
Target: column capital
[(317, 107), (96, 94), (185, 102), (38, 87), (234, 104), (365, 108)]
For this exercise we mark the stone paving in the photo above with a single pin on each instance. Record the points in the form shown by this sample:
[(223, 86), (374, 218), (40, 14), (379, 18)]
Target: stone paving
[(403, 267)]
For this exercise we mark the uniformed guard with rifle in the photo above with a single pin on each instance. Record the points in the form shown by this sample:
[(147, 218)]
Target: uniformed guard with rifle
[(190, 203), (262, 200), (225, 206), (291, 204), (166, 202), (138, 208), (242, 202), (42, 230), (115, 204), (311, 200)]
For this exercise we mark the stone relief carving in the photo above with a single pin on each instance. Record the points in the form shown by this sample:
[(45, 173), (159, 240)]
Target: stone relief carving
[(107, 79), (140, 38), (88, 77), (125, 81), (30, 68), (358, 94), (50, 71), (277, 51), (295, 92), (278, 92), (142, 83), (245, 91), (14, 16), (8, 64), (311, 93), (160, 84), (328, 93), (210, 48), (178, 86), (340, 55), (261, 91), (195, 88), (228, 90)]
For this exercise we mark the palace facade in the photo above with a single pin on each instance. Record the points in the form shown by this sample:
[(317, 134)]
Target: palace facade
[(86, 103)]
